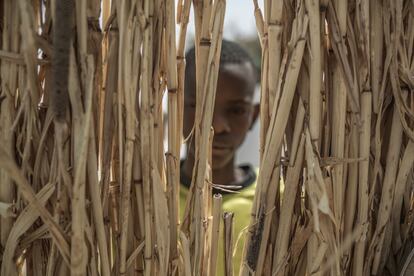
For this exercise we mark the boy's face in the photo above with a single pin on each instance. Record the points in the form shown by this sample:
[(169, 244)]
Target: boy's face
[(234, 111)]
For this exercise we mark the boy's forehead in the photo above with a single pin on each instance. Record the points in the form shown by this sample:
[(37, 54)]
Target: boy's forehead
[(243, 71), (235, 80)]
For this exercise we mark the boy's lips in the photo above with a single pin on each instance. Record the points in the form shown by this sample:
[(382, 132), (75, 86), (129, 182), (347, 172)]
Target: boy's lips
[(221, 149)]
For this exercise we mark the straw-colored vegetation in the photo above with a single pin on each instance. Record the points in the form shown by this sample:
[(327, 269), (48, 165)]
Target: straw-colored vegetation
[(88, 188), (337, 130)]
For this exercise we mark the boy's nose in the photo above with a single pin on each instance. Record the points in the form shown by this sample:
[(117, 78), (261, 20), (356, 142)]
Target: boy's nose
[(220, 124)]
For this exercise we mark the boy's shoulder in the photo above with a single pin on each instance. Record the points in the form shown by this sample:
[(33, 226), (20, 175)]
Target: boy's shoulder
[(248, 186)]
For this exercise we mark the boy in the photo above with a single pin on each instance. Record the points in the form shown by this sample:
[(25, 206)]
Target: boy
[(234, 115)]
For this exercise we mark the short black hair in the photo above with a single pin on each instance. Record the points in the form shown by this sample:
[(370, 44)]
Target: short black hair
[(231, 53)]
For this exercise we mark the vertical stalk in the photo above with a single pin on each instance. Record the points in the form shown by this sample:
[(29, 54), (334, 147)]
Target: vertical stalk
[(339, 99), (273, 144), (280, 254), (388, 187), (174, 131), (228, 243), (377, 41), (203, 121), (78, 247), (363, 183), (315, 70), (351, 194), (8, 77), (146, 139), (274, 29), (215, 232)]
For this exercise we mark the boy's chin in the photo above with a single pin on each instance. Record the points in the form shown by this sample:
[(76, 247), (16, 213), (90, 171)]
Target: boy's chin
[(221, 162)]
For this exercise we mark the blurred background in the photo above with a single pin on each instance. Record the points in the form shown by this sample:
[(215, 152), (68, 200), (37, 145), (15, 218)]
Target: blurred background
[(240, 26)]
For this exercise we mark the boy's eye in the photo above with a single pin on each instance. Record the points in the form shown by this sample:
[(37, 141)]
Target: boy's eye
[(191, 105), (238, 110)]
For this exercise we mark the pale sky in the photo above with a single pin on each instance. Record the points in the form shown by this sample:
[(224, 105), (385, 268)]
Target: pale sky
[(238, 21)]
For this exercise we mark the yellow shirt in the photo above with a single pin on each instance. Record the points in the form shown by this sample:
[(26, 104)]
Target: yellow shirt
[(240, 204)]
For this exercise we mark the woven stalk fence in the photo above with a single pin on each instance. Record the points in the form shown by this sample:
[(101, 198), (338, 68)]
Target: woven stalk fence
[(88, 186)]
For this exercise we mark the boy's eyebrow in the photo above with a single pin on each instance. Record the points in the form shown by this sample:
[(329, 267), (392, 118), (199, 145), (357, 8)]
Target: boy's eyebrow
[(241, 101)]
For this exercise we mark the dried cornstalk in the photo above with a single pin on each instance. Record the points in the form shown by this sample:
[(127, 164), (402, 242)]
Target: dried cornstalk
[(215, 229), (87, 187), (207, 58), (346, 190), (228, 243)]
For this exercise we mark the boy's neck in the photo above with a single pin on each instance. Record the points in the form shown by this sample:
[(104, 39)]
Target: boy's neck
[(227, 175)]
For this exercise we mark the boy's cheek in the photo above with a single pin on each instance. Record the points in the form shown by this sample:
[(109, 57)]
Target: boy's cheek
[(240, 135), (241, 129)]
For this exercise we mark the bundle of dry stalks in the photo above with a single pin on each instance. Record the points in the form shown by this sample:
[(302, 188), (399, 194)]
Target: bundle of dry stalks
[(337, 130), (87, 187)]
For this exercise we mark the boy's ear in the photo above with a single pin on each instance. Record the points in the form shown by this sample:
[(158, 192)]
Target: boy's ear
[(256, 111)]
